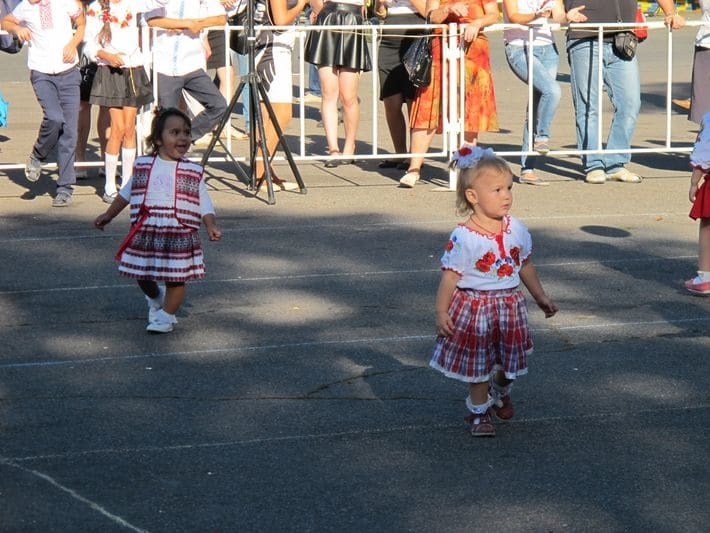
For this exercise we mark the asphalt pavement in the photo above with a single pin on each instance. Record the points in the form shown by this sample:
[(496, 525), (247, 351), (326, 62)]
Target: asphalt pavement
[(295, 392)]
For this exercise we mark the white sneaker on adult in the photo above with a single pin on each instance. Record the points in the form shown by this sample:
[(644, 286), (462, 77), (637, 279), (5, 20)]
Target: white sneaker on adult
[(595, 176), (624, 175)]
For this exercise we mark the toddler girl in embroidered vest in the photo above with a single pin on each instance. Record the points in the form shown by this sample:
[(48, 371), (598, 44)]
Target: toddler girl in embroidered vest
[(168, 199)]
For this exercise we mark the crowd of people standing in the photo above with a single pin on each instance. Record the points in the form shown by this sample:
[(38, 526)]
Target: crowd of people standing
[(110, 33)]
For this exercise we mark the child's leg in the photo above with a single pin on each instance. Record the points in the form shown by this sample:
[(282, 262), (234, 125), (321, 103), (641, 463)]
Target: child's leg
[(704, 247), (150, 288), (478, 403), (174, 296), (500, 394)]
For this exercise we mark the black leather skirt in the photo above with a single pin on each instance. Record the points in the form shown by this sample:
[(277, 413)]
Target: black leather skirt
[(346, 48)]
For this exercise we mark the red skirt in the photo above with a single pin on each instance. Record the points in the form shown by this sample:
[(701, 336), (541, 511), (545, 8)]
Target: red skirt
[(701, 206), (490, 333)]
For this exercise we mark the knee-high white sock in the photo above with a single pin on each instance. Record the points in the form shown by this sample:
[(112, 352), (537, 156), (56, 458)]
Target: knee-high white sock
[(128, 157), (111, 162)]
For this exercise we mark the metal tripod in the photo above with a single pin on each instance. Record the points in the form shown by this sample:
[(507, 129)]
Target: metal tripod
[(257, 94)]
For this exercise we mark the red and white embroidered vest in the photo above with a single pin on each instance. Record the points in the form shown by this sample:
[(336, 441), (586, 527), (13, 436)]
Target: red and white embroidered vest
[(187, 190)]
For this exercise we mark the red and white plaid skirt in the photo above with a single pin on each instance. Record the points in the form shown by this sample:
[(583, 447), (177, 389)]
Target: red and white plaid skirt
[(490, 332)]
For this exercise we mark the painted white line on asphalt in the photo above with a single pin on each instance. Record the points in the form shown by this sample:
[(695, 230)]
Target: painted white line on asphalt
[(95, 506), (342, 342), (310, 227), (351, 433), (322, 275)]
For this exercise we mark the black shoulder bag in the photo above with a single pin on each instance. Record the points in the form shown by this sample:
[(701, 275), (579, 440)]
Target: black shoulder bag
[(417, 59), (625, 42)]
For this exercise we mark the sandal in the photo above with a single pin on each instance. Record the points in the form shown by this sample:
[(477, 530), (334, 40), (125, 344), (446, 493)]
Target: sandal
[(532, 179), (391, 163), (332, 163), (410, 178)]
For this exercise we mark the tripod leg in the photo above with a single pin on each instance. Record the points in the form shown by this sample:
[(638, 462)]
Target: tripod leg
[(215, 137), (257, 121)]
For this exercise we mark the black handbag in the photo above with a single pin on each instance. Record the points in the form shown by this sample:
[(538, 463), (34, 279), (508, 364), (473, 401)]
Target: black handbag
[(625, 43), (238, 38), (417, 59)]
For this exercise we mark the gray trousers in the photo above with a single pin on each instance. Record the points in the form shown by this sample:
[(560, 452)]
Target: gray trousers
[(199, 85), (58, 96)]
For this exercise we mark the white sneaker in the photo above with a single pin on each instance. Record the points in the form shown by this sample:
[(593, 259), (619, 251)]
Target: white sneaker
[(625, 175), (163, 323)]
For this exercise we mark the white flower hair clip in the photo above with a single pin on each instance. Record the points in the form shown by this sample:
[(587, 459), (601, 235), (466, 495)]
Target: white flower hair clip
[(469, 155)]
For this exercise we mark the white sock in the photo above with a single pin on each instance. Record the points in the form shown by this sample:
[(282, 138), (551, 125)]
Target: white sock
[(704, 275), (478, 409), (128, 157), (499, 391), (111, 162)]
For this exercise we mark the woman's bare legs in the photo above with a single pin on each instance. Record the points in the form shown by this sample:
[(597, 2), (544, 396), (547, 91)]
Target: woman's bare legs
[(330, 89), (348, 82), (283, 116), (396, 122)]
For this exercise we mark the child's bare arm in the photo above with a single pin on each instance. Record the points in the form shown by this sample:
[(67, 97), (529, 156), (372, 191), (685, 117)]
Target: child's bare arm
[(529, 277), (213, 231), (118, 204), (695, 178), (447, 286)]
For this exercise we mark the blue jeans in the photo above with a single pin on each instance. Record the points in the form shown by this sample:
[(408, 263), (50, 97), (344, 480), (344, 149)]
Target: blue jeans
[(243, 66), (546, 91), (58, 96), (313, 79), (623, 86)]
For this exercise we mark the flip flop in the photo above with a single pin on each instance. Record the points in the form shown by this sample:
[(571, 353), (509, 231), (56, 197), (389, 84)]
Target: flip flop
[(531, 179)]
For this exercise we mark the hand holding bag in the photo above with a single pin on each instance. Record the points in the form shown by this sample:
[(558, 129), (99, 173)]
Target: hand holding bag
[(417, 59)]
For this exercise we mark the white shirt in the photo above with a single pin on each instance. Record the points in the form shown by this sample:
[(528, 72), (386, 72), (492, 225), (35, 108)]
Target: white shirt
[(49, 37), (702, 38), (542, 35), (179, 53), (124, 30), (401, 7), (488, 262), (700, 156), (161, 187)]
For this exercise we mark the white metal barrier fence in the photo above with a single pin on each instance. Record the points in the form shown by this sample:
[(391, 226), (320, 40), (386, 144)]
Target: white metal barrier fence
[(453, 95)]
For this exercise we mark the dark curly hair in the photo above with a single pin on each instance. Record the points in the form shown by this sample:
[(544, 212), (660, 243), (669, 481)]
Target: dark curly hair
[(162, 114)]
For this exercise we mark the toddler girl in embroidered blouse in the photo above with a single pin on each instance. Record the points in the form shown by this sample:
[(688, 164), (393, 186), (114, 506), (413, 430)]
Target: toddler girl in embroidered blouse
[(481, 314), (168, 198), (699, 194)]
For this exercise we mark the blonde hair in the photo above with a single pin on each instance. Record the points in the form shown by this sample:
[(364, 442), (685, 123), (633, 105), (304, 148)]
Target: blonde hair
[(468, 175)]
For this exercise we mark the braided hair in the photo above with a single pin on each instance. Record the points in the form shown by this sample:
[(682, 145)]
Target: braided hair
[(105, 33)]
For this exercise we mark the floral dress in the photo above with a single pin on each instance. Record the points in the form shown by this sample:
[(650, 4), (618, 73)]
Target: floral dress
[(480, 106)]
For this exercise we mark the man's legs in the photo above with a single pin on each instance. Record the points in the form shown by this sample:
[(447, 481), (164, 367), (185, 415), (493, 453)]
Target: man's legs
[(200, 86), (621, 79), (584, 81), (69, 100)]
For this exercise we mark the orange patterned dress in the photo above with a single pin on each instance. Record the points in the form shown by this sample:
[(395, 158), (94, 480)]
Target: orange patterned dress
[(480, 103)]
